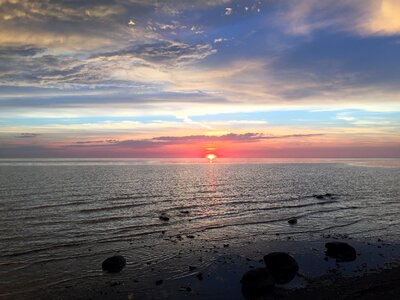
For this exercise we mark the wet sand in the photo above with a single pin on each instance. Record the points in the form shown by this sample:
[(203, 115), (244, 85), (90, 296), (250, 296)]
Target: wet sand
[(384, 284), (215, 273)]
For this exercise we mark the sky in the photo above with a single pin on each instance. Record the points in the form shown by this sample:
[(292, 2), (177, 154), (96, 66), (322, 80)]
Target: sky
[(185, 78)]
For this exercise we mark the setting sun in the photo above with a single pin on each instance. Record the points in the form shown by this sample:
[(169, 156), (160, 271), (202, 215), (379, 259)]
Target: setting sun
[(211, 157)]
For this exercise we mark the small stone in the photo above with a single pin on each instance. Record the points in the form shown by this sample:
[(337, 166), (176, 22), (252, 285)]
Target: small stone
[(164, 218), (159, 282), (192, 268), (292, 221), (199, 276)]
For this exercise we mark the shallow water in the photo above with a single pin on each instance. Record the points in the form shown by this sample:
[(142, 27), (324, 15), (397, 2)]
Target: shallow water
[(60, 218)]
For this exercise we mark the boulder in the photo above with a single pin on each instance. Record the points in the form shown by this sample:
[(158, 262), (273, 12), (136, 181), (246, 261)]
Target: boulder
[(292, 221), (282, 266), (256, 283), (341, 251), (114, 264)]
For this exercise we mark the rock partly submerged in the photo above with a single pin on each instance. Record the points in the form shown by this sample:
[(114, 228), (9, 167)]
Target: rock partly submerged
[(256, 283), (341, 251), (282, 266), (114, 264), (292, 221)]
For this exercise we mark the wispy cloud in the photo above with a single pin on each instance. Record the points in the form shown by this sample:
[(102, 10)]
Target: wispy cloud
[(364, 17)]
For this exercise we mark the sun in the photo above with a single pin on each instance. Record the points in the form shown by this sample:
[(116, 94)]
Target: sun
[(211, 157)]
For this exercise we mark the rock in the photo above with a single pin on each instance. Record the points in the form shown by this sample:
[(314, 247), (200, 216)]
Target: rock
[(256, 283), (190, 236), (341, 251), (199, 276), (292, 221), (319, 196), (185, 212), (159, 282), (282, 266), (163, 217), (114, 264), (192, 268)]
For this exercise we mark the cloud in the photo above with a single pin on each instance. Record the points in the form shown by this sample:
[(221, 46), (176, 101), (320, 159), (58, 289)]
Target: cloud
[(32, 66), (345, 117), (170, 52), (28, 135), (190, 139), (219, 40), (36, 10), (363, 17), (383, 19)]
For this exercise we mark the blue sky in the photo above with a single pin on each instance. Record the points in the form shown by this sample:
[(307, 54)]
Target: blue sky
[(315, 74)]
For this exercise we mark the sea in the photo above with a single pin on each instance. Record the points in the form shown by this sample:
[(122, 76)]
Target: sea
[(60, 218)]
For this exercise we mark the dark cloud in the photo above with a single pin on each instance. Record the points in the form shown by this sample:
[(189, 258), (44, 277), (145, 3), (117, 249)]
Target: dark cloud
[(8, 51), (28, 135), (109, 141), (161, 141)]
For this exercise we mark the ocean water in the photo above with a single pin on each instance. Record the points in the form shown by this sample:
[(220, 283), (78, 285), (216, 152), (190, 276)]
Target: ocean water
[(59, 218)]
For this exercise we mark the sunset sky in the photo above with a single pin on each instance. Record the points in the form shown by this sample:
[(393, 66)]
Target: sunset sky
[(183, 78)]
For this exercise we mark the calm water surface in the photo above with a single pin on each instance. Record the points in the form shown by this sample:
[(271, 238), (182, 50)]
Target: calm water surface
[(60, 218)]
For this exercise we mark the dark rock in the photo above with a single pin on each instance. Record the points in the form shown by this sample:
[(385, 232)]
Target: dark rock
[(163, 217), (282, 266), (185, 212), (328, 195), (319, 196), (226, 245), (114, 264), (190, 236), (159, 282), (292, 221), (256, 283), (192, 268), (341, 251), (199, 276)]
